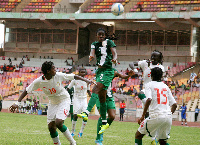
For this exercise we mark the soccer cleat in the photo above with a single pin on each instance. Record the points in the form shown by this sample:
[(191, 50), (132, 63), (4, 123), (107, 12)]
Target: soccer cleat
[(103, 128), (83, 115), (72, 134), (98, 142), (80, 134)]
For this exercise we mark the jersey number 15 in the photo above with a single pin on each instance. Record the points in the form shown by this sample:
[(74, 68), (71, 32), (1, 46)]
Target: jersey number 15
[(161, 96)]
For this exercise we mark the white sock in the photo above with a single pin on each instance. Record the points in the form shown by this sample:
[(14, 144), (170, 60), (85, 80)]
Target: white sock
[(73, 126), (83, 126), (56, 140), (69, 137), (87, 112), (153, 138)]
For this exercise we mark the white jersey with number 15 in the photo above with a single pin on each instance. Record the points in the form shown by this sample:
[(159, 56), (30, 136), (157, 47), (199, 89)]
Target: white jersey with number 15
[(161, 97)]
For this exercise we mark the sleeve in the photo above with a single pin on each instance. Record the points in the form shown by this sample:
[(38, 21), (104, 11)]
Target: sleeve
[(71, 84), (65, 77), (148, 91), (93, 45), (142, 64), (170, 97), (88, 87), (33, 86), (111, 44)]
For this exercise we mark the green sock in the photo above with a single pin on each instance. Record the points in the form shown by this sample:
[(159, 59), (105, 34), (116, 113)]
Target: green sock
[(63, 129), (109, 121), (103, 109), (53, 135), (138, 141), (99, 123), (167, 143), (92, 101), (72, 116), (141, 96)]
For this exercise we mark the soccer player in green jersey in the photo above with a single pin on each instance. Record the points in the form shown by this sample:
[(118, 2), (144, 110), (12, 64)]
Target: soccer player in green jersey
[(111, 109), (105, 53)]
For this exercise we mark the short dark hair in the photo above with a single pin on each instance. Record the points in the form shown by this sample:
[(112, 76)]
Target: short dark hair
[(156, 73), (161, 56), (47, 65), (101, 29)]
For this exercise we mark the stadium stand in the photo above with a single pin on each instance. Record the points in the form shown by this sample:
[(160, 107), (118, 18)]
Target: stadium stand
[(8, 5)]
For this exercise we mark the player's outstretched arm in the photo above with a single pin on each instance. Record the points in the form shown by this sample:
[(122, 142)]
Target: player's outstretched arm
[(14, 106), (124, 76), (76, 77), (146, 107), (173, 108), (114, 53)]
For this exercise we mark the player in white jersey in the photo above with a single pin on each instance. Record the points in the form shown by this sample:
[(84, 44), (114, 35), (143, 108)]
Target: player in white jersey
[(59, 99), (81, 89), (146, 65), (159, 100)]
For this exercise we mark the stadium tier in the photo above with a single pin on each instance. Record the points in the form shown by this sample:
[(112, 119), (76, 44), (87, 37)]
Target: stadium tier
[(8, 5)]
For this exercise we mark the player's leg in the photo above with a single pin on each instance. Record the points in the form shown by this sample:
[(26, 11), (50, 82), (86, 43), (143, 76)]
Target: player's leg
[(91, 104), (99, 137), (163, 142), (83, 109), (111, 109), (61, 114), (74, 121), (71, 112), (54, 134), (138, 138), (76, 108)]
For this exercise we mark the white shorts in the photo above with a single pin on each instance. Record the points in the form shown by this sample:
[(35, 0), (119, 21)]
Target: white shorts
[(80, 105), (157, 127), (58, 111)]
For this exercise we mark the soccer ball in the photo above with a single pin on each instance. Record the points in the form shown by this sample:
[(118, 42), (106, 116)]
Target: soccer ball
[(117, 9)]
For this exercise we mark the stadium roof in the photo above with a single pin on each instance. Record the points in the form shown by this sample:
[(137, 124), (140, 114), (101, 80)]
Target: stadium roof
[(159, 17)]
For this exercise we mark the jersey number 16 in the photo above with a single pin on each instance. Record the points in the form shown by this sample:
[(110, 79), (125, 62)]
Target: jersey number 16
[(161, 96)]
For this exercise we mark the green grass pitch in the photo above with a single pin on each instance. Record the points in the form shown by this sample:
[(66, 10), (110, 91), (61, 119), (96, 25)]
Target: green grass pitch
[(23, 129)]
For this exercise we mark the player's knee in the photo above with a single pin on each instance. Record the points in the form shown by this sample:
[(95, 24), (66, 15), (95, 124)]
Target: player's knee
[(138, 135), (52, 129), (140, 93), (162, 142), (112, 117)]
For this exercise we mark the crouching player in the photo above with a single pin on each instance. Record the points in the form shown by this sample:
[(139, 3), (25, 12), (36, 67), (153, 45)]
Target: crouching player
[(159, 100)]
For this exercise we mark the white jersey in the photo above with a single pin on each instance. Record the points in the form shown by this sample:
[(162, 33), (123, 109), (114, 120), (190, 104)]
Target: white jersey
[(161, 97), (80, 88), (53, 88), (147, 70)]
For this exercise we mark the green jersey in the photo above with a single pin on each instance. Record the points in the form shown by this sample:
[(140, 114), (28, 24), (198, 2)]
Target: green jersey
[(103, 52), (70, 91)]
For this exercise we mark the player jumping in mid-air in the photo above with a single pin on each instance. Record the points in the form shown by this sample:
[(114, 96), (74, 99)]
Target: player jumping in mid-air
[(156, 61), (59, 99), (159, 99), (111, 109), (81, 88), (105, 52)]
